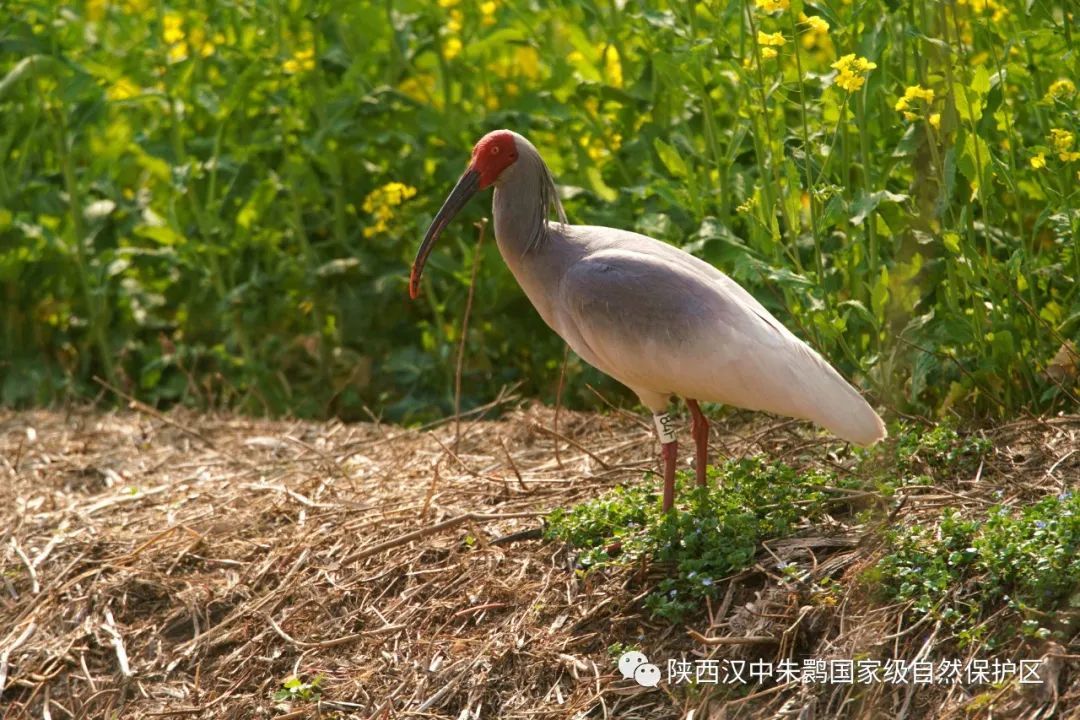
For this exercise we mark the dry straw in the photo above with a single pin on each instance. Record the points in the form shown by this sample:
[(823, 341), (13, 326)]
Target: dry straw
[(185, 566)]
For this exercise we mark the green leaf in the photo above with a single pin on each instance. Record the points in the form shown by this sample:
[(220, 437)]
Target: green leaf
[(867, 203), (836, 210), (963, 109), (1003, 344), (671, 158), (981, 82), (26, 68), (879, 295), (861, 311), (657, 225), (910, 142), (259, 201), (975, 161), (162, 234)]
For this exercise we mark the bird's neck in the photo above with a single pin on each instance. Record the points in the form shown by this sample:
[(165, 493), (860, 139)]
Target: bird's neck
[(520, 222), (525, 198)]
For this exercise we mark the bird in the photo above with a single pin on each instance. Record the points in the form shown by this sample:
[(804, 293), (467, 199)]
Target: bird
[(655, 318)]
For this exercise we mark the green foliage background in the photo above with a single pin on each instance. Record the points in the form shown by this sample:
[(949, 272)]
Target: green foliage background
[(211, 203)]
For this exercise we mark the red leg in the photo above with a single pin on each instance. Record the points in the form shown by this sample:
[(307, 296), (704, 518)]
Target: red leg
[(669, 451), (700, 431)]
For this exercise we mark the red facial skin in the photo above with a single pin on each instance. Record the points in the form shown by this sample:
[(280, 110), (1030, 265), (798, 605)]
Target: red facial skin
[(494, 153)]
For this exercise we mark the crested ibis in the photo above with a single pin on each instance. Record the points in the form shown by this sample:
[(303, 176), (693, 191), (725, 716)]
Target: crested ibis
[(655, 318)]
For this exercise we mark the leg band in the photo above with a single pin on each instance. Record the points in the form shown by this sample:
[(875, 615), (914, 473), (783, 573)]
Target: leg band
[(665, 427)]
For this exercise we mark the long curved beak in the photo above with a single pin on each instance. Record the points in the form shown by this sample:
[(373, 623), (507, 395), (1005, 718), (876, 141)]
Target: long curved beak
[(466, 187)]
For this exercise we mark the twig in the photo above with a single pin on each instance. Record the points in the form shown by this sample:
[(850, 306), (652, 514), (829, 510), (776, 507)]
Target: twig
[(147, 410), (513, 466), (461, 462), (109, 626), (246, 677), (622, 412), (23, 637), (334, 642), (481, 226), (431, 488), (438, 527), (530, 534), (759, 693), (735, 640), (478, 608), (1066, 456), (457, 678), (53, 542), (35, 586), (506, 395), (332, 462), (576, 444)]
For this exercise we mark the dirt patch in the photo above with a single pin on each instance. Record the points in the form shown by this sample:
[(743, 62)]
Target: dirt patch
[(189, 565)]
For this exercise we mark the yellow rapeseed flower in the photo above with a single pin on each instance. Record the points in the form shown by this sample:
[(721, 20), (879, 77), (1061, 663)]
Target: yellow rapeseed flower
[(768, 53), (612, 66), (95, 10), (816, 34), (419, 87), (815, 23), (454, 24), (851, 71), (913, 93), (595, 149), (775, 39), (935, 120), (302, 60), (994, 9), (1063, 140), (1062, 89), (487, 11), (452, 48), (122, 89), (380, 204), (527, 61), (203, 45), (770, 6), (448, 3), (1038, 162), (177, 52), (173, 28)]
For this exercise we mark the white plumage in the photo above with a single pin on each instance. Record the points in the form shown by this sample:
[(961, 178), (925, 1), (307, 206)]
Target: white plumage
[(654, 317)]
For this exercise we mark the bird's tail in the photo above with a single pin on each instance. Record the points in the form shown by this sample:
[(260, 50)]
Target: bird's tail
[(830, 401)]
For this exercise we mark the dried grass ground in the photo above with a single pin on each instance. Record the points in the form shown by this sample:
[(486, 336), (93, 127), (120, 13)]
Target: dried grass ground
[(186, 565)]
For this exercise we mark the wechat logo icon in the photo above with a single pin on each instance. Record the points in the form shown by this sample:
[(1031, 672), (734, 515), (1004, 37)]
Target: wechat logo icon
[(635, 666)]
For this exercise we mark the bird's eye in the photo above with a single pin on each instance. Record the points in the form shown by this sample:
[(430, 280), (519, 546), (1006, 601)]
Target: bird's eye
[(494, 149)]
